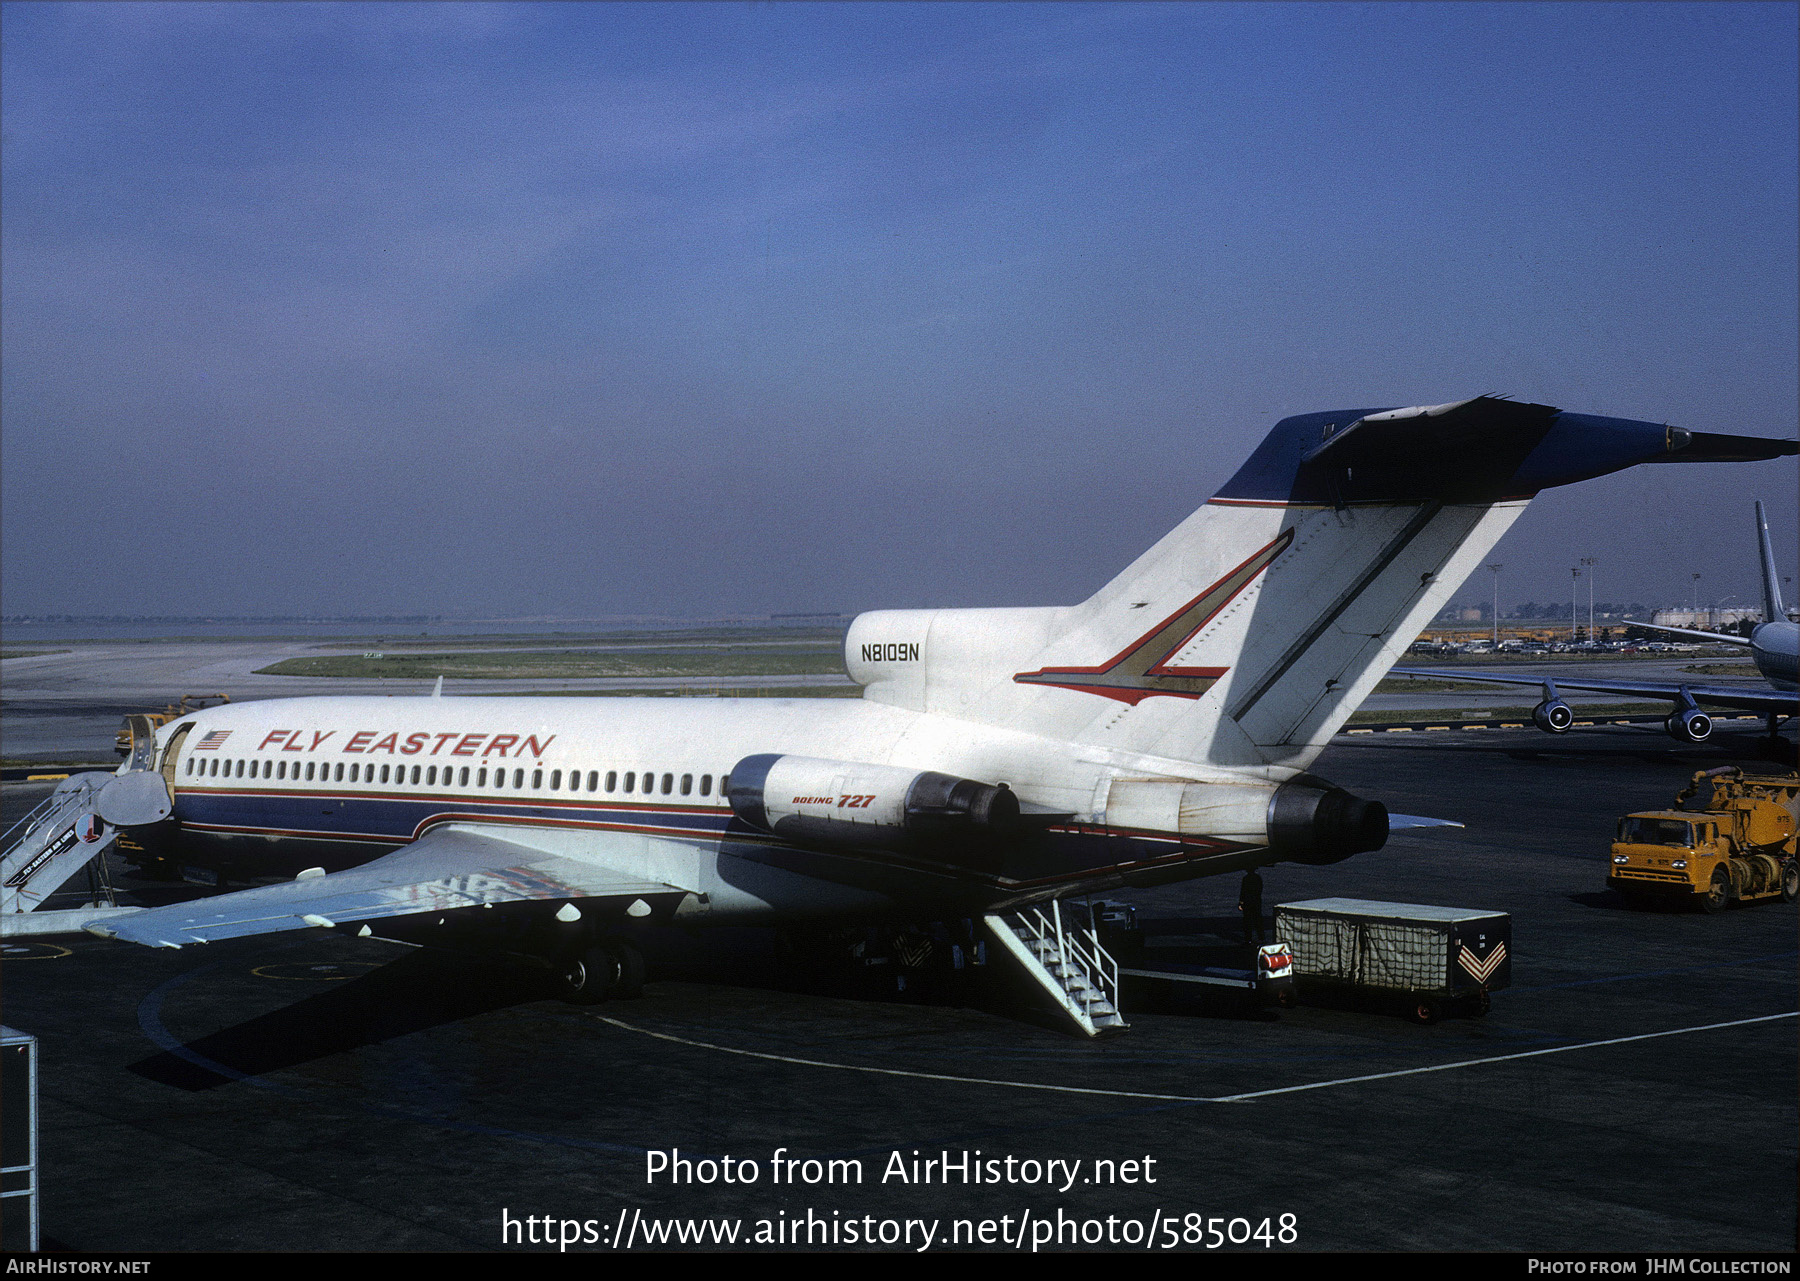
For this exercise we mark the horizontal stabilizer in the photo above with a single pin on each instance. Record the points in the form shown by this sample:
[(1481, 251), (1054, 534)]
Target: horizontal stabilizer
[(1711, 447), (1463, 434), (1482, 450)]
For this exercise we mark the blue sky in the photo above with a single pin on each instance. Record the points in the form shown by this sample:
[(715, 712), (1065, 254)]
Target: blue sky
[(705, 309)]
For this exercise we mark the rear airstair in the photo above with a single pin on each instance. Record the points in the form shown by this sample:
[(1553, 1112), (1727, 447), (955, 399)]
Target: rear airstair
[(1064, 957), (71, 831)]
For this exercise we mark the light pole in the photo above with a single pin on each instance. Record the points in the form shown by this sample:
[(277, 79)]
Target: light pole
[(1590, 562), (1496, 617), (1574, 595)]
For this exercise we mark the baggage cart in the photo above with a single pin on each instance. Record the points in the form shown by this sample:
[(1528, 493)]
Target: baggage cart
[(1428, 960)]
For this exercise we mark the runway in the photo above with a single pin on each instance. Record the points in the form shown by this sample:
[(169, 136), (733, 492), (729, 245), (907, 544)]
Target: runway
[(1633, 1090)]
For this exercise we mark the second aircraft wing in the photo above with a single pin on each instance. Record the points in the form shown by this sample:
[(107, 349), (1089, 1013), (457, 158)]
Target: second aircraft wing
[(1743, 698)]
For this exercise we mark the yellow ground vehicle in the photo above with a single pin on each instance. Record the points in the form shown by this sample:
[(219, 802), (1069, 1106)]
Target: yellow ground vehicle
[(1730, 836)]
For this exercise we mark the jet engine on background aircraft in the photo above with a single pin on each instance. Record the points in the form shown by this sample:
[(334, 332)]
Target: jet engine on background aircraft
[(1688, 723), (1553, 716), (856, 803)]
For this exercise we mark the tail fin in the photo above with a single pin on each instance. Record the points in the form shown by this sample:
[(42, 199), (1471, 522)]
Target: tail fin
[(1771, 579), (1247, 636)]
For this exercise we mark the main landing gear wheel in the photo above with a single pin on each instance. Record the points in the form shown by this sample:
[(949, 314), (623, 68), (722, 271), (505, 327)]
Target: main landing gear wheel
[(1718, 895), (605, 970), (1790, 882)]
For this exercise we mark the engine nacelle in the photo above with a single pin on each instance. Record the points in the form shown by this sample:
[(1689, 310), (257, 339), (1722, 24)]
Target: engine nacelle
[(1688, 724), (1553, 716), (1312, 821), (808, 798)]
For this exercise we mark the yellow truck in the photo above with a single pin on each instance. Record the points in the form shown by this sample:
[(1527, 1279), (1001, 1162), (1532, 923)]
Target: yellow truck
[(1730, 837)]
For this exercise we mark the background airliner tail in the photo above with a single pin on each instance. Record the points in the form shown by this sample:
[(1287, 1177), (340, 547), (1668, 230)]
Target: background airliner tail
[(1773, 610)]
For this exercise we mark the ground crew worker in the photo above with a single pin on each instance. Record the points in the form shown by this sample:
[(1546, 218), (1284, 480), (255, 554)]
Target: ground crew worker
[(1250, 904)]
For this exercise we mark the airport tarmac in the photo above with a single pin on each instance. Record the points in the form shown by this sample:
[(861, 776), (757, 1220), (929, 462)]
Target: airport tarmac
[(1632, 1090)]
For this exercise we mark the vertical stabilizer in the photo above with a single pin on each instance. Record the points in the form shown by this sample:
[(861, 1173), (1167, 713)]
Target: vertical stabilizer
[(1773, 611), (1244, 639)]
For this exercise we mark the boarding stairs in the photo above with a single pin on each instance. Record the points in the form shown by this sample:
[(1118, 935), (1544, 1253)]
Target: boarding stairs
[(72, 830), (1062, 954)]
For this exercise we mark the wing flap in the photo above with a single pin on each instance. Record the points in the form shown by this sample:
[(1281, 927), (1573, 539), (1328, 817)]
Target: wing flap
[(448, 868)]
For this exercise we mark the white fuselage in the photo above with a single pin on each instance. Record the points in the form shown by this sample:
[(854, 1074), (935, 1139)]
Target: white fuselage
[(272, 788)]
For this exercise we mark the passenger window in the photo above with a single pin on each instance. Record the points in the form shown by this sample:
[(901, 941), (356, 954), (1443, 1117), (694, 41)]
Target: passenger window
[(464, 776), (431, 776), (280, 769), (518, 779), (724, 786), (630, 779), (537, 779), (668, 783), (687, 784), (481, 778), (612, 779), (354, 767), (384, 773), (706, 785), (556, 781)]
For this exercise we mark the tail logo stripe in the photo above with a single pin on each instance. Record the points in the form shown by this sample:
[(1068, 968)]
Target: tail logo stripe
[(1143, 670)]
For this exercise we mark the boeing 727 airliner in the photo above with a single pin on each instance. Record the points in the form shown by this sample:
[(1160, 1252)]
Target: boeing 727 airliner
[(1162, 729)]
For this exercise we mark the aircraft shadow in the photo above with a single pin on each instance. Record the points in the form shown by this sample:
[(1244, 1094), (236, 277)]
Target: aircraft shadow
[(420, 990)]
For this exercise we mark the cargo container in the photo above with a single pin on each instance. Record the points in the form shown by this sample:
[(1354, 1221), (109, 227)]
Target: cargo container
[(1427, 960)]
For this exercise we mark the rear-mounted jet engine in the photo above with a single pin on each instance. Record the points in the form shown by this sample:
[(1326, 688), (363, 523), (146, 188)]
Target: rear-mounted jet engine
[(853, 803)]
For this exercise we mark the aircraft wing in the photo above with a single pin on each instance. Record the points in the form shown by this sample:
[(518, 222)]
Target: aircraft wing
[(450, 867), (1743, 698), (1718, 638)]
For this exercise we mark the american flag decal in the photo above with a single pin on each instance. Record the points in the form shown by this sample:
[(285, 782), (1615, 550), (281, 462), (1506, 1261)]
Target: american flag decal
[(213, 741), (1482, 970)]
